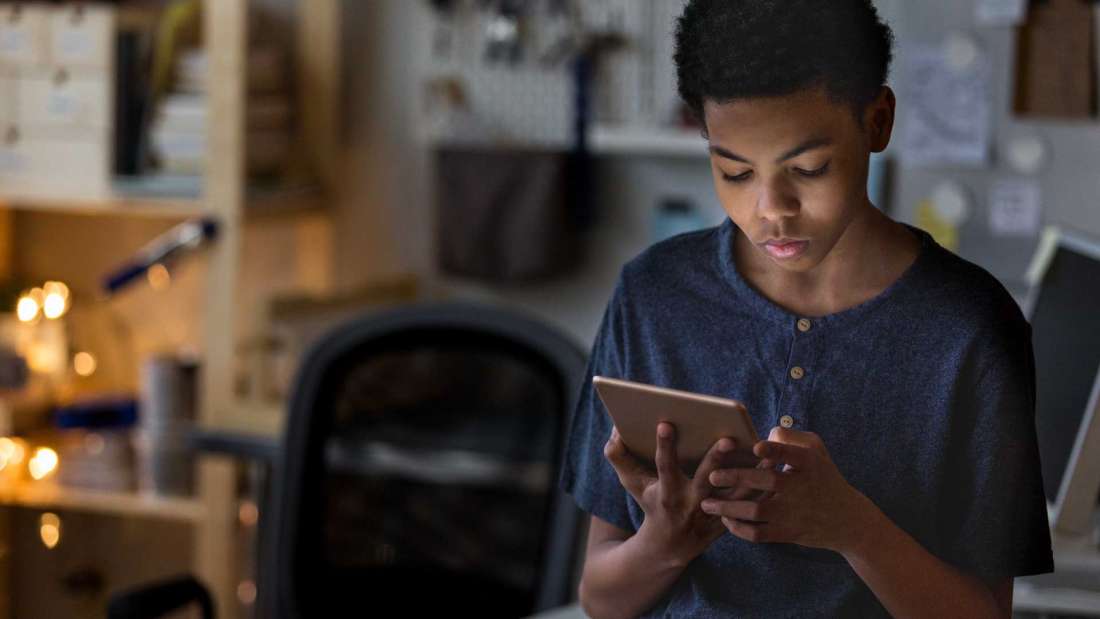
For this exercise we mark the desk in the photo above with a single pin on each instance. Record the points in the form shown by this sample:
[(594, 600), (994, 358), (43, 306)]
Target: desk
[(565, 612), (1073, 588)]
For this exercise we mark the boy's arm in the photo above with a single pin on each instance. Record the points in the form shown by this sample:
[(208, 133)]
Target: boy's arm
[(814, 506), (615, 563), (625, 574), (911, 582)]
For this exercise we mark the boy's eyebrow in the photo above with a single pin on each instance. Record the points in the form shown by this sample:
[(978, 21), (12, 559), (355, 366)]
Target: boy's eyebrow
[(794, 152)]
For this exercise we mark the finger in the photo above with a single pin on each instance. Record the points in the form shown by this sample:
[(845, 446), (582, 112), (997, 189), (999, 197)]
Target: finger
[(751, 532), (797, 456), (753, 511), (669, 474), (809, 440), (632, 474), (711, 461), (759, 479)]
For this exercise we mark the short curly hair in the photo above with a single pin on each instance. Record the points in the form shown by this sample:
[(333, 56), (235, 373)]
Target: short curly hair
[(738, 49)]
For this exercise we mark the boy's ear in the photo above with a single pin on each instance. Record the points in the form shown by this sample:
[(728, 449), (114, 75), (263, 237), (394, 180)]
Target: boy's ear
[(878, 119)]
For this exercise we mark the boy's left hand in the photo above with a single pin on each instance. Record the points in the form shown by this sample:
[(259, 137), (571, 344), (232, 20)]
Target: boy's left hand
[(808, 503)]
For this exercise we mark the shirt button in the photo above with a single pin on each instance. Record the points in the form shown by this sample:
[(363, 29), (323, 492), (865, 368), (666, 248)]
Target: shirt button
[(797, 373), (786, 421), (804, 325)]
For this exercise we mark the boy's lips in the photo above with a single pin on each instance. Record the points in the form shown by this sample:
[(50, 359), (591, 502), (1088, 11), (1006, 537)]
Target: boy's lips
[(785, 249)]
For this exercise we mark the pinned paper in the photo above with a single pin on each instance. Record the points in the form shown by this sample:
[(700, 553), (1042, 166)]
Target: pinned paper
[(1000, 12), (1015, 207), (947, 117), (929, 220), (1027, 154)]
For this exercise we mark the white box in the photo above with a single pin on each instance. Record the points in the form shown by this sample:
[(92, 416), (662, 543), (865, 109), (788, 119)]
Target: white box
[(65, 104), (82, 35), (23, 34), (33, 167)]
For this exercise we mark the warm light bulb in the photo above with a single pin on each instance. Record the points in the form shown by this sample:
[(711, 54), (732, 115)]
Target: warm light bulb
[(26, 309), (57, 288), (42, 463), (54, 306), (159, 277), (84, 364), (248, 513), (49, 528), (11, 451), (246, 592)]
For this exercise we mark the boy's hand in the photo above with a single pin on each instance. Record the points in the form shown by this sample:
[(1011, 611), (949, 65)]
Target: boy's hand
[(808, 503), (676, 526)]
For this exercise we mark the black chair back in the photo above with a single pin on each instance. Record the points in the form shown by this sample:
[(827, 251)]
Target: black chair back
[(420, 466)]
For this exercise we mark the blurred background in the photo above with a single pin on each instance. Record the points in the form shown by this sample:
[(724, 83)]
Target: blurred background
[(296, 295)]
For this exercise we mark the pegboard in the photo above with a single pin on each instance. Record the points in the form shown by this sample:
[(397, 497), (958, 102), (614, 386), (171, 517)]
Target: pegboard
[(530, 102)]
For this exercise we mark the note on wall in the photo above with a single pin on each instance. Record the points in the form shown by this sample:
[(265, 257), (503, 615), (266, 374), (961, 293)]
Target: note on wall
[(1015, 207), (946, 114), (1055, 76), (1000, 12)]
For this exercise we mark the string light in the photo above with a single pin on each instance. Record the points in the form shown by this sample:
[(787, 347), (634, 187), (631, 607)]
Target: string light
[(248, 513), (11, 452), (84, 364), (42, 463), (26, 309), (49, 529), (158, 276), (246, 592)]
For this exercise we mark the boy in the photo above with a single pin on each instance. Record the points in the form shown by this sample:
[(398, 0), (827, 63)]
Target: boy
[(901, 471)]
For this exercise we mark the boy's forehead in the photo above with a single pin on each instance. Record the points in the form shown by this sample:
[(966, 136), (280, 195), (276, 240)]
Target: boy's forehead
[(774, 120)]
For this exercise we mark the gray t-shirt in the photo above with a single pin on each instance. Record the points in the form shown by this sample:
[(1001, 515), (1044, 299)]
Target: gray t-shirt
[(923, 395)]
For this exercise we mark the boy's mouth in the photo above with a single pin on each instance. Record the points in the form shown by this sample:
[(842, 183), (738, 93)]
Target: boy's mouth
[(786, 249)]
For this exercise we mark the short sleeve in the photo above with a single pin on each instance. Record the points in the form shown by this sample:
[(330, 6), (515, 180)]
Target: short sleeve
[(586, 474), (994, 519)]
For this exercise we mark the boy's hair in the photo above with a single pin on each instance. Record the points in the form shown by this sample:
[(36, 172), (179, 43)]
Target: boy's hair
[(737, 49)]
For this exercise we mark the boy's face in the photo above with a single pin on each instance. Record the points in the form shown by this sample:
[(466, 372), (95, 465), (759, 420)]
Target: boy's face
[(794, 167)]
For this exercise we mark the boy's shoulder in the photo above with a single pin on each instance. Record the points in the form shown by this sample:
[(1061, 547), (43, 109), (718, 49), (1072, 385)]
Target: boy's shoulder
[(971, 294), (672, 261)]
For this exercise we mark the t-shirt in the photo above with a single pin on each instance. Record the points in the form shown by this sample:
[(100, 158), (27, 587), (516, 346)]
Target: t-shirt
[(924, 397)]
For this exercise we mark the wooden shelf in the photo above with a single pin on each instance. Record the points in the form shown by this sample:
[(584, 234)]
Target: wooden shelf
[(263, 203), (613, 140), (171, 208), (46, 495)]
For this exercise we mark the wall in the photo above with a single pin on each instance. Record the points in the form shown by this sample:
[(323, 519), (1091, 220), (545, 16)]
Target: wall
[(387, 227)]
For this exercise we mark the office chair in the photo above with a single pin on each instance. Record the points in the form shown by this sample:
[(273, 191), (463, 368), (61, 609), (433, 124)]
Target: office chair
[(419, 469)]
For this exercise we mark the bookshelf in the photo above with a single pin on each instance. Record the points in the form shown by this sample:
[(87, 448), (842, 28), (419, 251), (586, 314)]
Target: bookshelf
[(226, 195)]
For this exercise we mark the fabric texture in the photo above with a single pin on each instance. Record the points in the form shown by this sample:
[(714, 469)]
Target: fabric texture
[(924, 396)]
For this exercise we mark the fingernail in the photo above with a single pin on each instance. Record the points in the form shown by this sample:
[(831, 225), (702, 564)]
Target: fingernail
[(725, 445), (708, 506), (664, 431)]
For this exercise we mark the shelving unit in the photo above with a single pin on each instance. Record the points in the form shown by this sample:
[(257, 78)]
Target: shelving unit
[(227, 197), (610, 140), (126, 504)]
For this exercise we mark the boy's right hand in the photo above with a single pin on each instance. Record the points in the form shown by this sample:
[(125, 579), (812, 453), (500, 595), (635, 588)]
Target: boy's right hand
[(676, 527)]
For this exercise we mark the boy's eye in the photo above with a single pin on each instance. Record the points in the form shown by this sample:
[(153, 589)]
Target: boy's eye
[(812, 173), (740, 178)]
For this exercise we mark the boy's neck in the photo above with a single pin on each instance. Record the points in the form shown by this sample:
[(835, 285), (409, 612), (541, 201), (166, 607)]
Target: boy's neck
[(872, 253)]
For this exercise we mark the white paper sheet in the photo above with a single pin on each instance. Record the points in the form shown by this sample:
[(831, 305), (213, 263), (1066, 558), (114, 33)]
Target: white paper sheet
[(945, 108), (1000, 12), (1015, 207)]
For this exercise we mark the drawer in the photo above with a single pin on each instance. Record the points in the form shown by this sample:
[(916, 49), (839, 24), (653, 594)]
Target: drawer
[(82, 35), (35, 166), (9, 89), (64, 103), (23, 34)]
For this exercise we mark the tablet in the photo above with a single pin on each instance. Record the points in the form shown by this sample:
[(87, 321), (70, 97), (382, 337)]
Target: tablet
[(700, 420)]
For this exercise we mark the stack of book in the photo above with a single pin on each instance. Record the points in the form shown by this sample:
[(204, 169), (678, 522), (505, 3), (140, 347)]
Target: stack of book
[(179, 132)]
